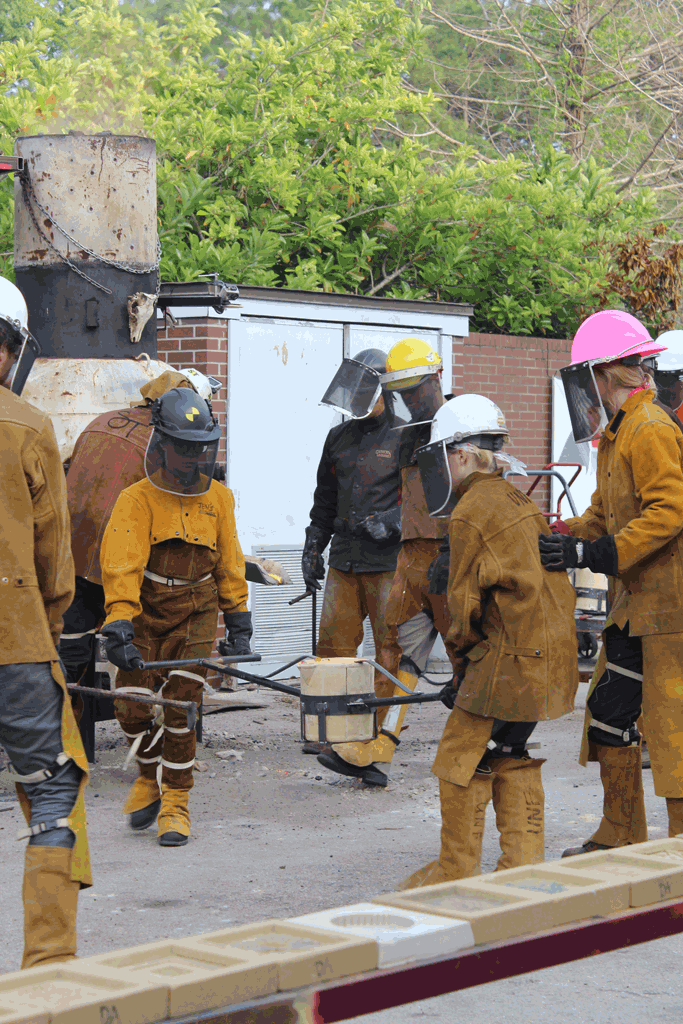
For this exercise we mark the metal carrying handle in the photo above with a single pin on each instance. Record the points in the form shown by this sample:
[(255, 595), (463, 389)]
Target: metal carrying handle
[(188, 706)]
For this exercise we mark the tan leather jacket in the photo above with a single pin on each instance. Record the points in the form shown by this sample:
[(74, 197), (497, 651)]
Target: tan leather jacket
[(144, 516), (36, 567), (639, 500), (513, 621)]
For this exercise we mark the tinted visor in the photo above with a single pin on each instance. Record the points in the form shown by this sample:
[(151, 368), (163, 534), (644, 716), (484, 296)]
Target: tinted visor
[(414, 405), (180, 467), (670, 388), (437, 483), (586, 410), (29, 352), (354, 390)]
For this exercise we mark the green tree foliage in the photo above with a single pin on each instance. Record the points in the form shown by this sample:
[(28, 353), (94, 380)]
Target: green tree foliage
[(303, 161)]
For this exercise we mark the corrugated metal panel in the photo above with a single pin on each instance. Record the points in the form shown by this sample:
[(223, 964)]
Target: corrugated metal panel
[(278, 629)]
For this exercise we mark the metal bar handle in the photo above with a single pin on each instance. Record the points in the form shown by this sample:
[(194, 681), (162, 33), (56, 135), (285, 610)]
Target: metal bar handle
[(188, 706)]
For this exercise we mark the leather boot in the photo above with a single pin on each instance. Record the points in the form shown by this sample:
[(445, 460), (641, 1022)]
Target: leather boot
[(463, 813), (519, 800), (50, 905), (143, 803), (381, 750), (674, 806), (623, 808), (174, 817)]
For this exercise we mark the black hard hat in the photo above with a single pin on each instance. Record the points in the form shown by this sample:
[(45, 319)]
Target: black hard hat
[(373, 357), (185, 415)]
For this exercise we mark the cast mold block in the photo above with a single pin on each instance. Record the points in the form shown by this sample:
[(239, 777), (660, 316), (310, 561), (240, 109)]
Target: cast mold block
[(63, 994), (304, 956), (663, 859), (194, 979), (517, 901), (409, 935)]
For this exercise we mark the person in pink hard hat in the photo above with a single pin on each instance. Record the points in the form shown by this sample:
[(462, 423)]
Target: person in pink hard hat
[(632, 533)]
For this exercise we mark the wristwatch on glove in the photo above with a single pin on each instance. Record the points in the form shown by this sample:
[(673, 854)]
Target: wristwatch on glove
[(238, 633), (559, 552), (120, 651)]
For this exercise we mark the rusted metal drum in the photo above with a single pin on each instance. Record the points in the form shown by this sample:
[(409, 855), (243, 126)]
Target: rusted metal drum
[(85, 243)]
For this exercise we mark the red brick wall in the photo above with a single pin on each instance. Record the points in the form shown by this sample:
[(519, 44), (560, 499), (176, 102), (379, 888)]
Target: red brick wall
[(516, 373)]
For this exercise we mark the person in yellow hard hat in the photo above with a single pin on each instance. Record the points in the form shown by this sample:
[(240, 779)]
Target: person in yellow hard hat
[(412, 393)]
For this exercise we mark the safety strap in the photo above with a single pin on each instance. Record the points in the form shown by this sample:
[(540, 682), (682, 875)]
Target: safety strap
[(42, 774), (186, 675), (77, 636), (142, 690), (171, 581), (624, 672), (177, 767), (137, 743), (178, 732), (624, 734), (44, 826), (390, 735)]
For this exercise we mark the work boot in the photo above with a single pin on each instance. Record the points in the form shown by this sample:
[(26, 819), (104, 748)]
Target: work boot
[(381, 750), (588, 847), (174, 817), (50, 905), (314, 747), (371, 775), (674, 807), (623, 810), (519, 800), (463, 813), (143, 803)]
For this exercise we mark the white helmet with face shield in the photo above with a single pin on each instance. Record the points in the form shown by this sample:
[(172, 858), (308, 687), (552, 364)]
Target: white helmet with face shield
[(181, 452), (15, 335), (667, 368), (203, 385), (469, 423)]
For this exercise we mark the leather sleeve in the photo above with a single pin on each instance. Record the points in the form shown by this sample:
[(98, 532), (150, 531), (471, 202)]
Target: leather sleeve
[(590, 525), (325, 497), (124, 555), (233, 589)]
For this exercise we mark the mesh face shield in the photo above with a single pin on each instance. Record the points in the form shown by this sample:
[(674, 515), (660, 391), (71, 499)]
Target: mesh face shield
[(413, 404), (180, 467), (586, 411), (354, 390)]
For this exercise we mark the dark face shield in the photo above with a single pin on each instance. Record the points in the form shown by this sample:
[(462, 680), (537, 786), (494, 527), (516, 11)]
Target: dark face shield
[(28, 353), (354, 391), (437, 482), (670, 387), (586, 410), (180, 467), (418, 403)]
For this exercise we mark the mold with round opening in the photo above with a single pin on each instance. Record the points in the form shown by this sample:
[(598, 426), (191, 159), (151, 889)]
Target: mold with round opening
[(372, 921)]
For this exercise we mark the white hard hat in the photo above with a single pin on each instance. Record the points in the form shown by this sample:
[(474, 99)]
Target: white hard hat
[(13, 311), (672, 359), (203, 385), (467, 416)]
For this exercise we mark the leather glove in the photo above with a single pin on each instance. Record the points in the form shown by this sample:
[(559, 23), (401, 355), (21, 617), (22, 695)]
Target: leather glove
[(383, 526), (450, 690), (312, 563), (437, 573), (238, 632), (120, 651), (559, 553)]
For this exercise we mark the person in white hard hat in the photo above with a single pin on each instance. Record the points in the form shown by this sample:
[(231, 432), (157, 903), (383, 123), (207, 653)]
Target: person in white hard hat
[(37, 726), (513, 629)]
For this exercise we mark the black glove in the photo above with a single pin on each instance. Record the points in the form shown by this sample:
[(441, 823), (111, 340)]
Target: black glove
[(383, 526), (219, 473), (450, 690), (312, 564), (238, 632), (120, 651), (437, 573), (559, 552)]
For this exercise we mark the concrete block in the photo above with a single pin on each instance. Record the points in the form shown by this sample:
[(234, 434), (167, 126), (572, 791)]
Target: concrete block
[(194, 979), (303, 955), (64, 994), (409, 935), (518, 901)]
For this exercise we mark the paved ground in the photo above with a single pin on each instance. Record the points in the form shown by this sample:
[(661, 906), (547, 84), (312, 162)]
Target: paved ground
[(276, 835)]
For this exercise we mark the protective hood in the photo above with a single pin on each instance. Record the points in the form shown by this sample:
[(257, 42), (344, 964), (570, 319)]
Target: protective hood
[(355, 387)]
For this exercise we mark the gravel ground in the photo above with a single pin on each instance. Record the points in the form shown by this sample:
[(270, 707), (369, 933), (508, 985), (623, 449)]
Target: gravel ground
[(276, 835)]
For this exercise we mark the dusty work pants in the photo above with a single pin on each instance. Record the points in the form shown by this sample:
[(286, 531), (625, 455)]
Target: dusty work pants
[(31, 733), (83, 618), (349, 598), (175, 623)]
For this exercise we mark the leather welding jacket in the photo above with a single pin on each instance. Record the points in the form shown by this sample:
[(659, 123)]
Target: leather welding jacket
[(357, 476), (186, 536), (416, 522), (639, 501), (36, 567), (513, 622)]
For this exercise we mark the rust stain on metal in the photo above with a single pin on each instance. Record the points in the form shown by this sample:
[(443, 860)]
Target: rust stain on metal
[(37, 254)]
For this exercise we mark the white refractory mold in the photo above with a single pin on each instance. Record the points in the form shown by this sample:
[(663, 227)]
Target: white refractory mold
[(399, 934)]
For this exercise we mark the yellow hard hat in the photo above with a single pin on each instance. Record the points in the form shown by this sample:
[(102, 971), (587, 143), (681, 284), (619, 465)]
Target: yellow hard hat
[(406, 355)]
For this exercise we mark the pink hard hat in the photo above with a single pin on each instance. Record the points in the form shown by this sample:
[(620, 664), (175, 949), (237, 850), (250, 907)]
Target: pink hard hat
[(610, 335)]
